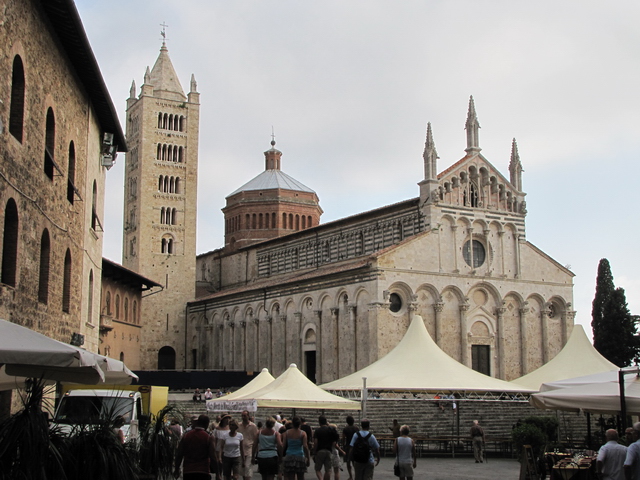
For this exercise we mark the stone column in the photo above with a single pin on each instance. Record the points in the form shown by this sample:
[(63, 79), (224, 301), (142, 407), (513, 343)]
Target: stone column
[(438, 307), (296, 346), (269, 344), (232, 344), (243, 345), (568, 319), (210, 346), (524, 350), (320, 375), (471, 256), (519, 238), (360, 336), (464, 341), (337, 344), (375, 309), (501, 241), (258, 363), (487, 263), (544, 319), (501, 348), (221, 346), (454, 229), (285, 355)]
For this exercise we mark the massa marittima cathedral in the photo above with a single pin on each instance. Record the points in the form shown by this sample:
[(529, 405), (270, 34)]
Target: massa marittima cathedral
[(331, 297)]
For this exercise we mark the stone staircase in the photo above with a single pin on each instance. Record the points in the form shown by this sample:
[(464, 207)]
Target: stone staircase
[(427, 420)]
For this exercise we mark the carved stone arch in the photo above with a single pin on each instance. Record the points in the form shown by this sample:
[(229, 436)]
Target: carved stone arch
[(325, 301), (559, 323), (482, 326), (289, 307), (536, 332), (247, 312), (491, 289), (496, 226), (484, 176), (463, 222), (275, 308), (306, 303), (450, 220), (480, 223), (342, 298)]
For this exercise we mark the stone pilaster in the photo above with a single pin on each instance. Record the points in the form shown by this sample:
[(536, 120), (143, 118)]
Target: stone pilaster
[(524, 351), (501, 342), (464, 340), (438, 307)]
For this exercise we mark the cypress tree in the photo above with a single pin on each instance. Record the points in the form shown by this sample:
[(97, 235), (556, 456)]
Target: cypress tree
[(613, 325)]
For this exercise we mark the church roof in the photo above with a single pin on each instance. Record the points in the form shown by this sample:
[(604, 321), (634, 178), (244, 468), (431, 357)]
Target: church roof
[(164, 77), (273, 179)]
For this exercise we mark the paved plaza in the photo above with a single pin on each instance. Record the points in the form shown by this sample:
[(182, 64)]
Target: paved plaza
[(442, 468)]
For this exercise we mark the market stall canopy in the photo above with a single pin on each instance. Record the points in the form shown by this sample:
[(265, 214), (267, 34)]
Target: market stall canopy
[(601, 397), (418, 364), (293, 390), (25, 353), (229, 403), (577, 358)]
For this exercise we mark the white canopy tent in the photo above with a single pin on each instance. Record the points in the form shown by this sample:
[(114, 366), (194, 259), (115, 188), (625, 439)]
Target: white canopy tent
[(577, 358), (596, 397), (293, 390), (25, 353), (418, 364), (231, 402)]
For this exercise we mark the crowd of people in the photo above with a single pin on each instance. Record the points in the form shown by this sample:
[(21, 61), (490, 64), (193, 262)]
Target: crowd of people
[(285, 449)]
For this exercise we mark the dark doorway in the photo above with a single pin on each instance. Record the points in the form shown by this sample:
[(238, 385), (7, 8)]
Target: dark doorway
[(310, 363), (480, 358), (194, 358), (167, 359)]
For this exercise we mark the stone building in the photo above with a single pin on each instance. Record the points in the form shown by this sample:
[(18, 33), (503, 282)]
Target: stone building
[(59, 134), (335, 297), (159, 239), (120, 319)]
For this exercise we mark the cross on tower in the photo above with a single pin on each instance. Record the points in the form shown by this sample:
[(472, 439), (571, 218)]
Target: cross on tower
[(164, 32)]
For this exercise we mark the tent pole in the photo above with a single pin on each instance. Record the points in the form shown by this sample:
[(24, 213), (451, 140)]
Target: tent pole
[(364, 397)]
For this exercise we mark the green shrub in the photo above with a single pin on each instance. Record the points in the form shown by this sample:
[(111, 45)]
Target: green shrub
[(528, 434)]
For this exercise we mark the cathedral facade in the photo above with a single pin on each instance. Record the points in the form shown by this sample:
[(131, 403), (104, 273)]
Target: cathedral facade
[(335, 297)]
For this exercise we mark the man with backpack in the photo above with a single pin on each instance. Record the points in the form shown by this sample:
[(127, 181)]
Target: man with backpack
[(364, 453)]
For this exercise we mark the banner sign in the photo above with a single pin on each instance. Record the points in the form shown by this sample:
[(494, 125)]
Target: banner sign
[(232, 405)]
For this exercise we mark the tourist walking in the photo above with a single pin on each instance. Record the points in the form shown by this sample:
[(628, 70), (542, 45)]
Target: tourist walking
[(404, 448), (611, 456), (219, 434), (324, 439), (232, 453), (336, 451), (267, 450), (364, 452), (477, 439), (297, 457), (249, 433), (196, 450), (632, 461), (347, 434)]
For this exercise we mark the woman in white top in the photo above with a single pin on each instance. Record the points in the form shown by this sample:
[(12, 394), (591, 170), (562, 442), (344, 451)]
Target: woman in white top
[(232, 452), (405, 450), (220, 434)]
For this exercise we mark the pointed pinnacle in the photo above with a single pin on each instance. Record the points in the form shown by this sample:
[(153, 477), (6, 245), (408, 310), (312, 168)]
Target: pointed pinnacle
[(471, 115), (430, 145)]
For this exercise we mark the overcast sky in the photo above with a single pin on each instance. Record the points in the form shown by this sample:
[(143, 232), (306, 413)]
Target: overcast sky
[(349, 87)]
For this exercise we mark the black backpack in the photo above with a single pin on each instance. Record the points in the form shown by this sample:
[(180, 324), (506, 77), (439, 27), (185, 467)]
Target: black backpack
[(361, 451)]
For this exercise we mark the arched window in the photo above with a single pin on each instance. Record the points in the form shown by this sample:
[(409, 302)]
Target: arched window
[(170, 246), (304, 222), (181, 123), (134, 312), (159, 152), (160, 183), (16, 110), (10, 244), (126, 309), (122, 356), (66, 283), (177, 188), (162, 215), (159, 120), (43, 277), (173, 216), (165, 119), (163, 245), (291, 221), (117, 306), (90, 299), (172, 185), (166, 184), (107, 303), (180, 154), (297, 222), (49, 144), (71, 173)]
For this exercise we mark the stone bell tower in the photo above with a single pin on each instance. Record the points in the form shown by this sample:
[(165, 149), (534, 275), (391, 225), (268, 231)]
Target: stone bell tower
[(159, 238)]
